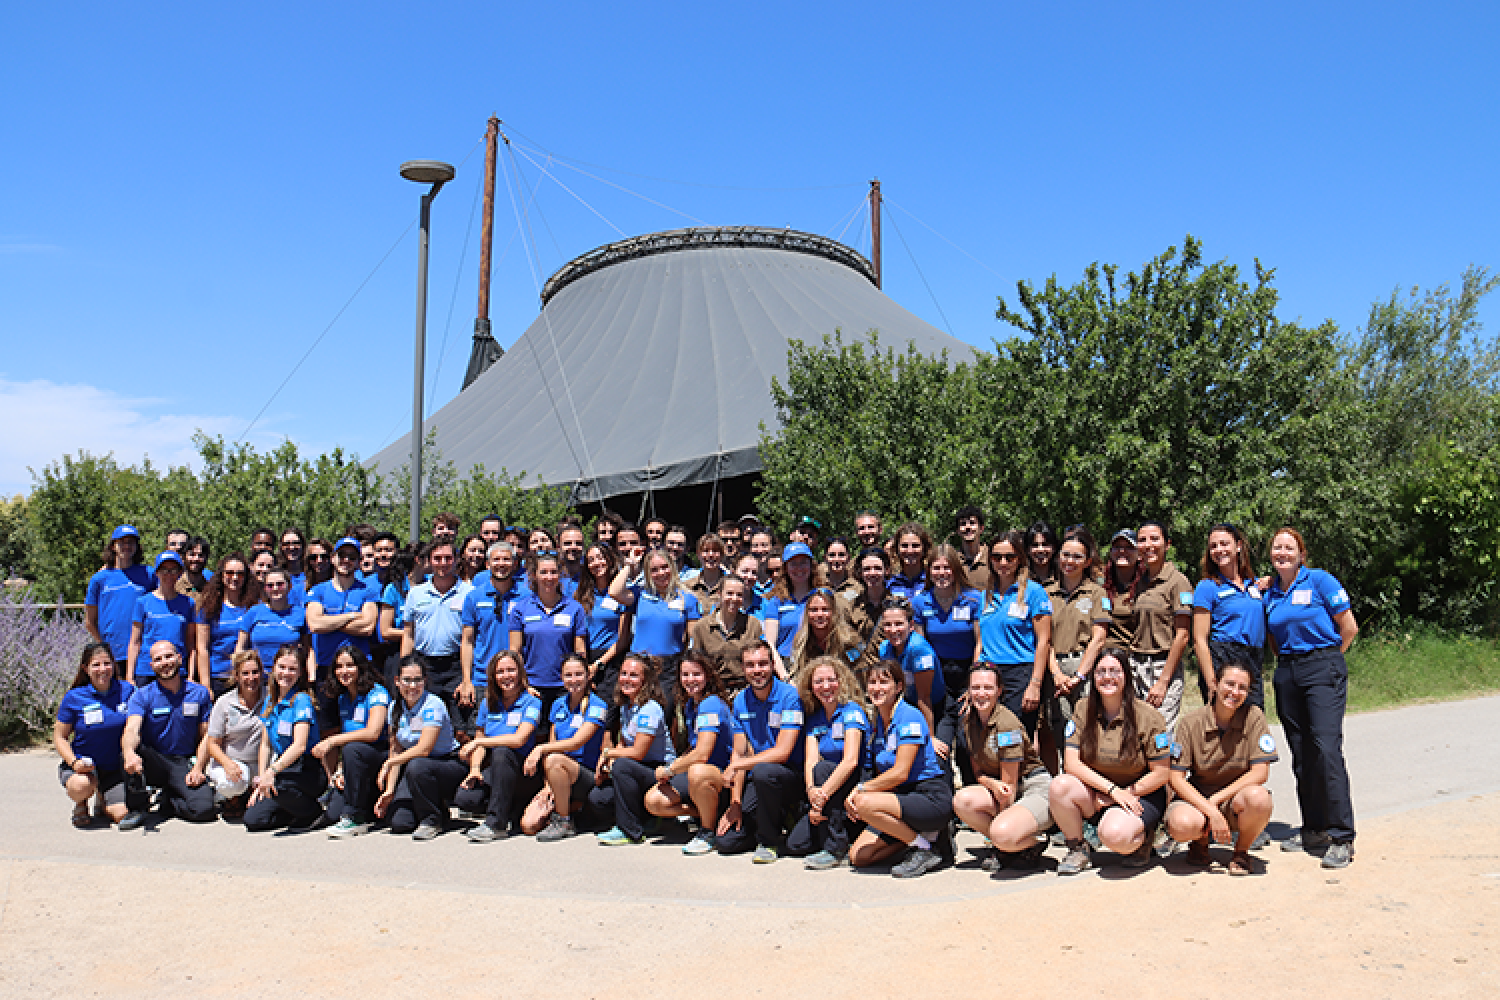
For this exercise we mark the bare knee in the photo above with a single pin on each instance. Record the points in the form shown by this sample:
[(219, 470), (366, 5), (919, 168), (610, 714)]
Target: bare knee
[(1184, 822), (1121, 833)]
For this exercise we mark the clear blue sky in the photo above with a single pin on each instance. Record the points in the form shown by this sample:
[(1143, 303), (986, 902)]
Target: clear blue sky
[(192, 192)]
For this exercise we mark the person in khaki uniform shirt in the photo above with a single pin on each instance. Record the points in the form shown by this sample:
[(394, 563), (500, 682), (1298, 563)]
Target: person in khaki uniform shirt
[(724, 633), (1154, 616), (969, 527), (1221, 758), (1081, 618), (1116, 765)]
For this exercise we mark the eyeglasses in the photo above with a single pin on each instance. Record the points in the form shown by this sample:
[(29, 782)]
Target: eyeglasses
[(411, 682), (276, 583), (1004, 557), (232, 572), (1108, 672)]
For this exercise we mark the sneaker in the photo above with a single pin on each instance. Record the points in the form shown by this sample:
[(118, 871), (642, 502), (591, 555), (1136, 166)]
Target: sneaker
[(1306, 840), (1139, 858), (1091, 835), (134, 820), (1338, 856), (615, 837), (558, 828), (1058, 840), (1162, 844), (993, 861), (702, 843), (824, 861), (765, 855), (484, 833), (428, 829), (918, 861), (1077, 860), (347, 827)]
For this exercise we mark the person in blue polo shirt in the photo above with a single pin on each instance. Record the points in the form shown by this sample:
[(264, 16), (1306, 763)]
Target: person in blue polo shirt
[(702, 731), (662, 608), (545, 627), (109, 604), (908, 800), (1015, 629), (90, 723), (434, 631), (568, 760), (947, 614), (276, 621), (1312, 626), (1229, 621), (354, 754), (341, 610), (912, 545), (837, 734), (423, 772), (485, 620), (507, 726), (225, 608), (765, 772), (924, 689), (630, 766), (606, 617), (162, 614), (166, 722), (782, 610), (290, 779)]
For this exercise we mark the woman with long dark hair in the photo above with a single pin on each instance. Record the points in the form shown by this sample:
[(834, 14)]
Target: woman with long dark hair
[(630, 765), (824, 632), (606, 617), (1007, 800), (508, 720), (86, 735), (1229, 620), (567, 761), (352, 757), (420, 776), (701, 728), (290, 781), (1015, 628), (224, 609)]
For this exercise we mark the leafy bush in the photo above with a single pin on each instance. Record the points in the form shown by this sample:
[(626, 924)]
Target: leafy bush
[(39, 650)]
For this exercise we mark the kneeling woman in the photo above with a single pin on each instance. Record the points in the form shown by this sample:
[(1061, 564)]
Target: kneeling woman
[(837, 731), (290, 779), (630, 767), (1115, 769), (90, 722), (508, 717), (1008, 801), (352, 756), (420, 777), (568, 761), (909, 799), (1221, 759), (692, 783)]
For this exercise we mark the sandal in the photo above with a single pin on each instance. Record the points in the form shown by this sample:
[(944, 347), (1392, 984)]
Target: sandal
[(1197, 853), (82, 818), (1242, 864)]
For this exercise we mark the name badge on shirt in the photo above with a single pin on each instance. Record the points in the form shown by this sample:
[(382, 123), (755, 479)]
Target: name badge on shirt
[(514, 718), (577, 723), (190, 708), (121, 707), (1017, 610), (610, 604), (455, 603), (837, 731), (162, 710), (1084, 605), (93, 717), (1253, 592), (359, 713), (676, 604), (961, 614), (1302, 597), (562, 618), (284, 727)]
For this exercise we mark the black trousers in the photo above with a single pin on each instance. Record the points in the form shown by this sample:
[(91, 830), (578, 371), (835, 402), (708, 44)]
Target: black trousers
[(1311, 692), (169, 772), (771, 790), (443, 676), (630, 780), (833, 834), (433, 782), (296, 800), (505, 791), (1237, 653), (356, 800)]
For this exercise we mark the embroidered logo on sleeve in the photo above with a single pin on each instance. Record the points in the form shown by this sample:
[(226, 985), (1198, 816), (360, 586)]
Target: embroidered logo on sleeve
[(1267, 743)]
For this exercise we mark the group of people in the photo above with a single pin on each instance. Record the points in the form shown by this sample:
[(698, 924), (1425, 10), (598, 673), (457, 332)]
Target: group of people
[(844, 701)]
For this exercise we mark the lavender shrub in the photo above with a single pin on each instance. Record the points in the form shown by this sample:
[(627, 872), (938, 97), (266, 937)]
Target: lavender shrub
[(39, 650)]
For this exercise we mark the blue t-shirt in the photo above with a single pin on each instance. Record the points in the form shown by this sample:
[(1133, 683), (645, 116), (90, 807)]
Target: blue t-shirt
[(160, 620), (711, 715), (761, 721), (849, 717), (337, 602), (355, 715), (548, 635), (647, 722), (491, 625), (169, 722), (660, 625), (1236, 614), (901, 585), (1007, 624), (98, 720), (394, 596), (114, 593), (916, 659), (271, 629), (908, 725), (281, 720), (604, 621), (223, 635), (950, 633), (428, 713), (1301, 620), (526, 710), (566, 723), (787, 613)]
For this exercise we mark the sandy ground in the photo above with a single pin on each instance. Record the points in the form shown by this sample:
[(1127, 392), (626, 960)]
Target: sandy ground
[(212, 911)]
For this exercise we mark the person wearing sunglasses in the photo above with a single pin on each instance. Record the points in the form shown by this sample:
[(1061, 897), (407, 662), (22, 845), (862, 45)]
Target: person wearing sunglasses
[(224, 607), (1015, 628)]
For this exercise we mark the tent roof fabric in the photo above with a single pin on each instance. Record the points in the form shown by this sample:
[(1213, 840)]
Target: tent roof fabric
[(652, 370)]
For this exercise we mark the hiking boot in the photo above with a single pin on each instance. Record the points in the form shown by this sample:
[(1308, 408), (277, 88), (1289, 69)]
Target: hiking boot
[(1338, 856), (1077, 859), (558, 828)]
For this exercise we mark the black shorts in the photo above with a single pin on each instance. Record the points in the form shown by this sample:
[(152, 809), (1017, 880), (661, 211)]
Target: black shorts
[(680, 785), (928, 806), (1153, 806)]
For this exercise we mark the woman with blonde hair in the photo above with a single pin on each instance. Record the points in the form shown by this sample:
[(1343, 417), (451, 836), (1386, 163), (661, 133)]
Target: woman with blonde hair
[(235, 733), (837, 736), (824, 632), (663, 610)]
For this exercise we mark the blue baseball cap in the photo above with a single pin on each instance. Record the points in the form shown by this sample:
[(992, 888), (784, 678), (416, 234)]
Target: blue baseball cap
[(348, 540), (794, 550), (124, 531), (168, 556)]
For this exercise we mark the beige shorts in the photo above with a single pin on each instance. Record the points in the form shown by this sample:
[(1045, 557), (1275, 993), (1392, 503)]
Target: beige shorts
[(1033, 796)]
